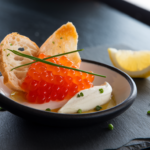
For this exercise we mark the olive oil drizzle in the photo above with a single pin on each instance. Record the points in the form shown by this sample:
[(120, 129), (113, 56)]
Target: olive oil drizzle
[(21, 97)]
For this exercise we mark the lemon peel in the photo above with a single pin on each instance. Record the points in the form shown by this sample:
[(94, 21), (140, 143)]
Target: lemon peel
[(134, 63)]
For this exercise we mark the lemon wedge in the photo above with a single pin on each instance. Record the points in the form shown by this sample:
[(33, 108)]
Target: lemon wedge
[(134, 63)]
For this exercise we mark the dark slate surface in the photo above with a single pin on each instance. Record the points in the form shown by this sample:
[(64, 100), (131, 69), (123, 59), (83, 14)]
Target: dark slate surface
[(97, 24)]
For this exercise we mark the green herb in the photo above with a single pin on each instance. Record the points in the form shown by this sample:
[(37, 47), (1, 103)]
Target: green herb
[(8, 54), (48, 109), (4, 49), (79, 111), (2, 109), (101, 90), (10, 44), (53, 42), (48, 58), (61, 37), (78, 95), (97, 108), (50, 63), (110, 127), (2, 44), (81, 94), (148, 112)]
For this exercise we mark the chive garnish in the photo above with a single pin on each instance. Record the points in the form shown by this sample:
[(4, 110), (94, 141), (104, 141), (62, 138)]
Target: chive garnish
[(50, 63), (110, 127), (101, 90), (53, 42), (2, 109), (48, 109), (148, 112), (78, 95), (61, 37), (79, 111), (8, 54), (81, 94), (10, 44), (97, 108), (2, 44), (47, 58)]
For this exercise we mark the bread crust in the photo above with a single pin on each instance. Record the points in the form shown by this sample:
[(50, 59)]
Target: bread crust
[(63, 40), (10, 77)]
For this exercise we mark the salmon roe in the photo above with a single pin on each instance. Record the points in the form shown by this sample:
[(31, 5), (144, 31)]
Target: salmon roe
[(44, 83)]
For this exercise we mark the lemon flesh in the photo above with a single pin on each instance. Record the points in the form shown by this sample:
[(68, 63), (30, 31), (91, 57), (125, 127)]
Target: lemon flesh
[(134, 63)]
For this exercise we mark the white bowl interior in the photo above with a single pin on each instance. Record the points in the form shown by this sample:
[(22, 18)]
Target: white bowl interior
[(120, 85)]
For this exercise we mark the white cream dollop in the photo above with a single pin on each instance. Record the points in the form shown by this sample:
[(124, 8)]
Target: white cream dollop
[(92, 97)]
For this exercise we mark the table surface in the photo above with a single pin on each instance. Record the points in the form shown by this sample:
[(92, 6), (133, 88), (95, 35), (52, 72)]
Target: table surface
[(99, 27)]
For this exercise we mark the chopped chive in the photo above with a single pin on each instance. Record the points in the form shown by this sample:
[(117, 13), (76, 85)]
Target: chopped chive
[(81, 94), (49, 63), (2, 109), (97, 108), (78, 95), (4, 49), (148, 112), (110, 127), (53, 42), (79, 111), (61, 37), (48, 109), (2, 44), (8, 54), (10, 44), (101, 90)]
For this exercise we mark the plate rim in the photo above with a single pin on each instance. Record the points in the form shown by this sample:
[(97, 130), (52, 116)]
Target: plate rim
[(128, 101)]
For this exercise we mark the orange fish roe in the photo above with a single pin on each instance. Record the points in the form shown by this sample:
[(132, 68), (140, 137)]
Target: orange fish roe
[(44, 82)]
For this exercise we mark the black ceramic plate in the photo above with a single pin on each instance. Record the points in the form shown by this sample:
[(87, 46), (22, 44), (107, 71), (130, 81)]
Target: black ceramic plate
[(124, 91)]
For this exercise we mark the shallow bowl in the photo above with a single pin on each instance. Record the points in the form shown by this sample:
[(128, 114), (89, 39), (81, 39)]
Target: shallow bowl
[(124, 91)]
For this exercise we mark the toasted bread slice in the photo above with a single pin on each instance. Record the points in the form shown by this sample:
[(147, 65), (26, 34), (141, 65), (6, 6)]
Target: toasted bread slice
[(8, 60), (63, 40)]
